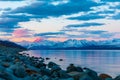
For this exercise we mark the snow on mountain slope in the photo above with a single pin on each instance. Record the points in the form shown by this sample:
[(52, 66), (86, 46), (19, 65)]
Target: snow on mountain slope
[(72, 43)]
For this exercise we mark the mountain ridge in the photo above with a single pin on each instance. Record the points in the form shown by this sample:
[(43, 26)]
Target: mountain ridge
[(73, 44)]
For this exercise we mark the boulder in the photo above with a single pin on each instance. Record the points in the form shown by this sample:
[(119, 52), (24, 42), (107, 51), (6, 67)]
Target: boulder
[(92, 74), (19, 70), (51, 64), (117, 78), (76, 75), (55, 68), (45, 72), (79, 69), (63, 74), (6, 76), (71, 68)]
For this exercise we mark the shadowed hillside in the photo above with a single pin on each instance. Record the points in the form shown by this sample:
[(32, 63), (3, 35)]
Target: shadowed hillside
[(10, 47)]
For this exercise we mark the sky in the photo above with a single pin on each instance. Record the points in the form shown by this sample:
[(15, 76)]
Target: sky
[(59, 20)]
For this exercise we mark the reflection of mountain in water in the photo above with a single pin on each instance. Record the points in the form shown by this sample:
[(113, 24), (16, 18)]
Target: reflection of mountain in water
[(73, 44)]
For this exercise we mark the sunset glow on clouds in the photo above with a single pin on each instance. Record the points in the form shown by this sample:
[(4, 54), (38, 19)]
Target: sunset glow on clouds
[(21, 33), (59, 20)]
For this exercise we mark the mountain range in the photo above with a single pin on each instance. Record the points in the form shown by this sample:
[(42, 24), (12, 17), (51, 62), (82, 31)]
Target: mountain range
[(72, 44)]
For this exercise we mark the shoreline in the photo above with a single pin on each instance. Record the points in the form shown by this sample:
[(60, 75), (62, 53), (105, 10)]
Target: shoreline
[(23, 67)]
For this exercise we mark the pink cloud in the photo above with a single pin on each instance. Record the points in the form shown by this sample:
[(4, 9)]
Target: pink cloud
[(21, 33)]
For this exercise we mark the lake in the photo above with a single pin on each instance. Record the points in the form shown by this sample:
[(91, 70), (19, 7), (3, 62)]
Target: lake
[(102, 61)]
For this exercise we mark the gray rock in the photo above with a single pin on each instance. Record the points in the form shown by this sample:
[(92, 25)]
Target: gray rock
[(76, 75), (79, 69), (55, 68), (46, 77), (19, 71), (85, 77), (45, 72), (51, 64), (117, 78), (36, 77), (108, 79), (6, 76), (67, 79), (92, 74), (63, 74), (71, 68)]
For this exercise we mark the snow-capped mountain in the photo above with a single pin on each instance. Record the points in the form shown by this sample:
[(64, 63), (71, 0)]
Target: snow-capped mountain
[(73, 44)]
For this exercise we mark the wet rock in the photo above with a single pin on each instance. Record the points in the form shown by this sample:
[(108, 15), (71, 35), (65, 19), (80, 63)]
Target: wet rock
[(45, 72), (92, 74), (47, 58), (104, 76), (86, 77), (51, 64), (45, 77), (79, 69), (5, 64), (60, 59), (16, 60), (6, 76), (19, 70), (76, 75), (2, 68), (30, 72), (63, 74), (117, 78), (67, 79), (108, 79), (55, 68), (71, 68), (40, 65), (2, 79), (36, 77)]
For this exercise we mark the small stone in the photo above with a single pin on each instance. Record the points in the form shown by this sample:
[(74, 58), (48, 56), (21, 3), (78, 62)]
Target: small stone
[(30, 72), (6, 65), (16, 60), (47, 58), (104, 76), (60, 59)]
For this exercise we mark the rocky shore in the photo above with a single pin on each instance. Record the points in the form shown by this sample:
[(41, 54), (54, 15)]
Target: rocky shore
[(16, 66)]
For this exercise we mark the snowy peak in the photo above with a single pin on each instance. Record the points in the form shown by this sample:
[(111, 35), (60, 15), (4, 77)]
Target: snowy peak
[(74, 44)]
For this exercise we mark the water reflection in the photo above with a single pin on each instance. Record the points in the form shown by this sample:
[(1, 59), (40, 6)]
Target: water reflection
[(106, 61)]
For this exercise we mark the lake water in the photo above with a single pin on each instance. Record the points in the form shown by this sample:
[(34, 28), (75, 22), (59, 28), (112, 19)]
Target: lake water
[(102, 61)]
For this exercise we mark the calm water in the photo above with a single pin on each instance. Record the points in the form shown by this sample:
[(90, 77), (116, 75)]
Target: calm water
[(102, 61)]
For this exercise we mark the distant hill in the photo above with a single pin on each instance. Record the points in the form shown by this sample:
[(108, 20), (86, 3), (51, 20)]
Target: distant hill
[(10, 47), (10, 44), (73, 44)]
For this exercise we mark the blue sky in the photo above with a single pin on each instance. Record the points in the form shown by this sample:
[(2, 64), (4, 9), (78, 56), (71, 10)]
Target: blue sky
[(59, 19)]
